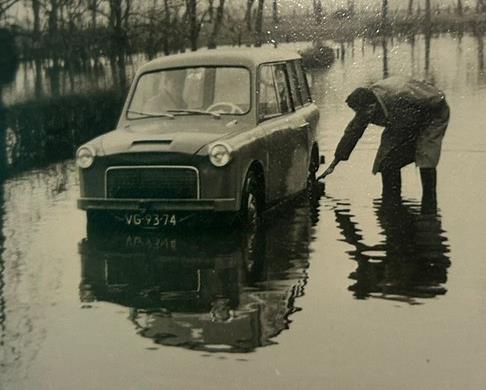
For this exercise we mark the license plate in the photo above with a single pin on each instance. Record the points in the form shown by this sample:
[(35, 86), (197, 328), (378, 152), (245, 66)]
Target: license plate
[(150, 219)]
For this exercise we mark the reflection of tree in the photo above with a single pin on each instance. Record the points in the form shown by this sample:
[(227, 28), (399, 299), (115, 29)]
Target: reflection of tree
[(385, 57), (210, 291), (427, 35), (2, 268), (428, 39), (479, 33), (411, 262), (8, 69)]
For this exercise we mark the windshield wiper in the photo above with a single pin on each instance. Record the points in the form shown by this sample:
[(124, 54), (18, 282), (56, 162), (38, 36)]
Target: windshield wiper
[(152, 114), (202, 112)]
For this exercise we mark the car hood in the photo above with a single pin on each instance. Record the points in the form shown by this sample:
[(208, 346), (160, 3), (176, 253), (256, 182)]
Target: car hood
[(169, 136)]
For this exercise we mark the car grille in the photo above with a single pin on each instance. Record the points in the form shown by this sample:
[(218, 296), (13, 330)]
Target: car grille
[(152, 183)]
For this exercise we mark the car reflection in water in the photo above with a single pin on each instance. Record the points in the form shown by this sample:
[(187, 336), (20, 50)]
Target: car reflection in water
[(409, 264), (212, 291)]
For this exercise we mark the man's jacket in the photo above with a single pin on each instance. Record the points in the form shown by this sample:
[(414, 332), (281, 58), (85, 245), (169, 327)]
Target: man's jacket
[(416, 116)]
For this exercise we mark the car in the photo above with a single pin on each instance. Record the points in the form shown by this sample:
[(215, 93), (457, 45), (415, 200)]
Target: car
[(228, 132)]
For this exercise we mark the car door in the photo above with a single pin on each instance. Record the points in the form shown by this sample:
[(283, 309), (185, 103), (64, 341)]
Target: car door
[(286, 139)]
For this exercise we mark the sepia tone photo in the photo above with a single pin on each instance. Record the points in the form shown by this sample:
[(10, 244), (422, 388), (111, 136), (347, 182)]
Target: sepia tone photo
[(242, 194)]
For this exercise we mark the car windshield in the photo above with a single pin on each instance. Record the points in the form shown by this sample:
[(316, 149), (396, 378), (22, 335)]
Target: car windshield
[(192, 91)]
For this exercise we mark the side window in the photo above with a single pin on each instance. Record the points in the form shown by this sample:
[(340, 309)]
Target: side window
[(274, 96), (294, 85), (268, 103), (303, 86), (285, 102)]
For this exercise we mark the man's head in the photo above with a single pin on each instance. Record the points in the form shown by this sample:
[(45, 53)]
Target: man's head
[(364, 102)]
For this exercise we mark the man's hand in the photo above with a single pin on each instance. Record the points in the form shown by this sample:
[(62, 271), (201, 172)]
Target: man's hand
[(329, 170)]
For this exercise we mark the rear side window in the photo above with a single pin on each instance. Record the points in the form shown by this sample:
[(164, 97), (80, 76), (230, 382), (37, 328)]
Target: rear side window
[(303, 86), (294, 85), (274, 94)]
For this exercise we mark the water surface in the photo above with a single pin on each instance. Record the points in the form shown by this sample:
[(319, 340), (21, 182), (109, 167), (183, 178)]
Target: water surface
[(335, 291)]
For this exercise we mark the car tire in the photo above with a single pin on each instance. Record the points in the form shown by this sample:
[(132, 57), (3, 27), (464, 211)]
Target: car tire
[(313, 165), (251, 202)]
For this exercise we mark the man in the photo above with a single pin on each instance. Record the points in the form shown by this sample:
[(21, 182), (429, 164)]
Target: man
[(415, 116)]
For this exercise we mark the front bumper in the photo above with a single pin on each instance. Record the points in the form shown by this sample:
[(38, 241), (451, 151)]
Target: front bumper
[(216, 205)]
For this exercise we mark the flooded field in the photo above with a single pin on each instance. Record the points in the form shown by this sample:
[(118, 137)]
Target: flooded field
[(336, 291)]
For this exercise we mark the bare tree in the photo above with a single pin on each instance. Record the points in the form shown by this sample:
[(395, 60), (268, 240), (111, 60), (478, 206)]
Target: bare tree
[(248, 13), (384, 15), (5, 5), (259, 24), (428, 18), (218, 21), (36, 6), (459, 8), (275, 12), (211, 10), (410, 7), (194, 26), (318, 11), (481, 6), (167, 23), (118, 23)]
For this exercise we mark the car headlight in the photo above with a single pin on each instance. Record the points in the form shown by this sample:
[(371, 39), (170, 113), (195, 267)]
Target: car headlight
[(85, 156), (220, 155)]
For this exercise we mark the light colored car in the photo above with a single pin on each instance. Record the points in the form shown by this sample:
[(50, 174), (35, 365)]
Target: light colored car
[(227, 131)]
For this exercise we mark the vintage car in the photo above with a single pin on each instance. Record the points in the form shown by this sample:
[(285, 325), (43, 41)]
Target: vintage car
[(227, 132)]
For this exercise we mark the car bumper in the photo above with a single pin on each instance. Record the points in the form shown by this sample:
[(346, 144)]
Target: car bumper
[(195, 205)]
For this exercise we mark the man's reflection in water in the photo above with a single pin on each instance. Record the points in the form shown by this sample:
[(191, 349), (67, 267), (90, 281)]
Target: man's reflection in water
[(411, 262), (211, 291)]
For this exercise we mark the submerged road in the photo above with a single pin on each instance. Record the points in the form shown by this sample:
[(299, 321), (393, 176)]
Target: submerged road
[(334, 292)]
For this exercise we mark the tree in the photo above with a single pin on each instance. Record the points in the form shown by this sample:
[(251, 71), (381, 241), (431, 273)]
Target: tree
[(428, 18), (259, 24), (410, 7), (384, 15), (275, 12), (5, 5), (191, 12), (459, 8), (481, 6), (218, 21), (249, 6), (118, 24), (318, 11)]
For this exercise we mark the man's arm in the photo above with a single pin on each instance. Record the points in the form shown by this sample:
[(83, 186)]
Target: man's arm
[(351, 136), (353, 132)]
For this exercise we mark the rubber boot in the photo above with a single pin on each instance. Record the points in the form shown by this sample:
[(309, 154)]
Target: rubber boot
[(429, 190), (392, 187)]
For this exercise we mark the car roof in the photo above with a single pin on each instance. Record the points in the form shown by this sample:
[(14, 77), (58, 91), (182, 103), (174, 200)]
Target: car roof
[(249, 57)]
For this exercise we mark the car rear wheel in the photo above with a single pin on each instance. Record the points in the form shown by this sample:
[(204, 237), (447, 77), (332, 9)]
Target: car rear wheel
[(251, 202), (313, 165)]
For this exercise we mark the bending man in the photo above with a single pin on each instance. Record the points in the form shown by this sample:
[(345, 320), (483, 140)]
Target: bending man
[(415, 116)]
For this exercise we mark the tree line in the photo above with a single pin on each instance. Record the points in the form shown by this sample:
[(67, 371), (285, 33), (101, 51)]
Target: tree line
[(77, 33), (81, 31)]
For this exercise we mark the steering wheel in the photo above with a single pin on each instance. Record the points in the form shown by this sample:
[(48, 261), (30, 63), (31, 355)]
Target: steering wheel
[(233, 108)]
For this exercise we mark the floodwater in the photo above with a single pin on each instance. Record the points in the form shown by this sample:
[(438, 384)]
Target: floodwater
[(336, 291)]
